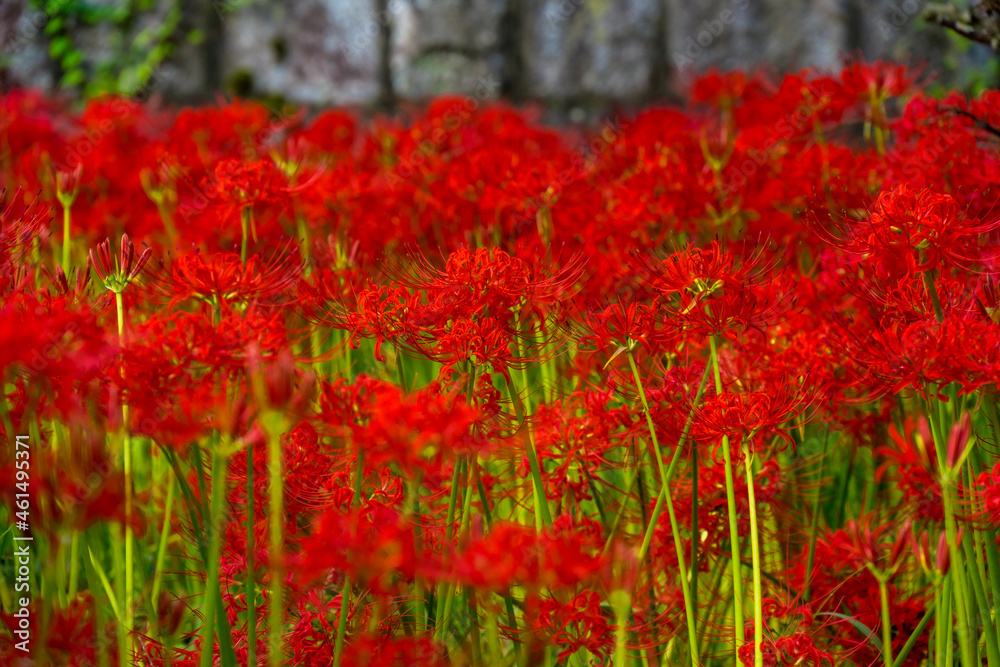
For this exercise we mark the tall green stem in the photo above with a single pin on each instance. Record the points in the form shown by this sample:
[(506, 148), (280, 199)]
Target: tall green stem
[(250, 585), (276, 519), (665, 494), (541, 502), (883, 594), (734, 534), (758, 599), (128, 610), (245, 224), (215, 527), (67, 240)]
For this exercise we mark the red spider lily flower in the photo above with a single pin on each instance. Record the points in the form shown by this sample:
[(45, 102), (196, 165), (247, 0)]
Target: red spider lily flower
[(619, 327), (890, 356), (578, 437), (488, 282), (222, 277), (866, 543), (988, 489), (938, 561), (19, 227), (419, 431), (51, 339), (751, 416), (67, 185), (790, 638), (911, 230), (381, 313), (277, 383), (117, 274), (482, 342), (375, 548), (912, 464), (579, 623), (235, 185), (512, 554), (876, 81), (709, 290)]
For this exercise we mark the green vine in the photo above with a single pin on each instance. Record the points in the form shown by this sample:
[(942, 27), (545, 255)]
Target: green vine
[(136, 53)]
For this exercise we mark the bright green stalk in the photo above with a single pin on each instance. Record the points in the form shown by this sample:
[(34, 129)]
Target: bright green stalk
[(161, 549), (67, 240), (734, 534), (758, 599), (74, 558), (541, 502), (219, 476), (979, 591), (250, 585), (276, 514), (665, 494), (917, 631), (883, 594), (449, 529), (245, 225), (128, 607), (957, 570)]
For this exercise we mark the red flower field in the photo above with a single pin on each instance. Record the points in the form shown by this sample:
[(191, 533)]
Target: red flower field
[(703, 385)]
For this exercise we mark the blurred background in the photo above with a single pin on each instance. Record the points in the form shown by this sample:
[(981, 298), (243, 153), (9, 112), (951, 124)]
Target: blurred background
[(574, 57)]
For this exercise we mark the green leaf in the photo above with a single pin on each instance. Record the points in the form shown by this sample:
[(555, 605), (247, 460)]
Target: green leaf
[(59, 46), (54, 25), (73, 59), (72, 78)]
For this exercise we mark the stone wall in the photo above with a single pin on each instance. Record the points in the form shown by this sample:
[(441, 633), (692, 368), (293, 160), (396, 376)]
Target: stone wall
[(567, 54)]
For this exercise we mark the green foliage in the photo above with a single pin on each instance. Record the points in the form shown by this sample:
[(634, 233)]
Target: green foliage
[(135, 53)]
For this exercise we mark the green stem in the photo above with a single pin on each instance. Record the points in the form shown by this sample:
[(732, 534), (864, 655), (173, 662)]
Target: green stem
[(734, 534), (917, 631), (128, 609), (74, 558), (67, 241), (276, 521), (689, 612), (883, 594), (161, 550), (541, 502), (219, 476), (758, 599), (979, 591), (250, 585), (935, 300), (245, 224)]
